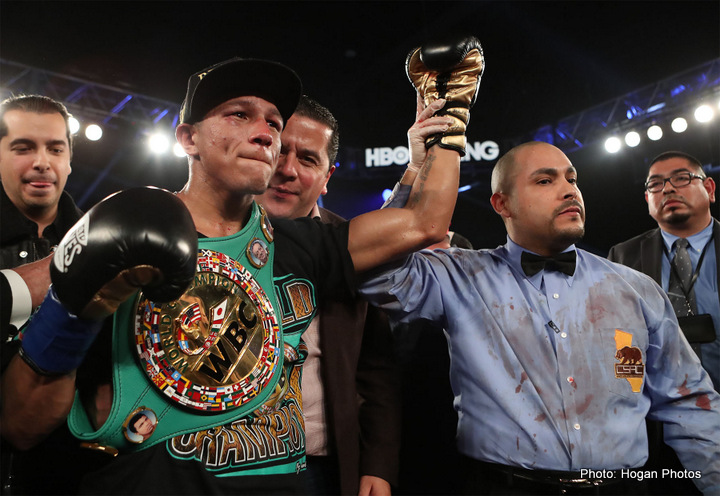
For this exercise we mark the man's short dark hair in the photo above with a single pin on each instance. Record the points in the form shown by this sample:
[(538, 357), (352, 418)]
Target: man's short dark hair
[(307, 107), (460, 241), (38, 104), (677, 154)]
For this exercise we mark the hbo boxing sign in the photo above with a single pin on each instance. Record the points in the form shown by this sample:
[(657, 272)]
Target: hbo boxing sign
[(400, 155)]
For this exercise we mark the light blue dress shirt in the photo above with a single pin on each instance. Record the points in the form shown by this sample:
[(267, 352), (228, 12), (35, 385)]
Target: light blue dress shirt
[(706, 290), (533, 360)]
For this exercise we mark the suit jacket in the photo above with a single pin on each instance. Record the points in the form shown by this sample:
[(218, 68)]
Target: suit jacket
[(362, 388), (644, 252)]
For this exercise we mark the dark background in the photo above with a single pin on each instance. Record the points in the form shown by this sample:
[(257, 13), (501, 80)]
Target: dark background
[(545, 61)]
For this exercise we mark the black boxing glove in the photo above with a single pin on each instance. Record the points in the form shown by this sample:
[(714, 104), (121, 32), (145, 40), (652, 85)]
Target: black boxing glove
[(138, 238), (451, 70)]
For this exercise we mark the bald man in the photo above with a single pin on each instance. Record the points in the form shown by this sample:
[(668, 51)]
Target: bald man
[(557, 355)]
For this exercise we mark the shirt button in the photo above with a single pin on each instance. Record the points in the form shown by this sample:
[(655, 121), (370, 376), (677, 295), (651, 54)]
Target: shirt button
[(576, 427), (563, 334), (556, 296), (23, 254)]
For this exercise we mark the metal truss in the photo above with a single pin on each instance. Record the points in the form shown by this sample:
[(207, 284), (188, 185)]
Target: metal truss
[(110, 106), (87, 99), (655, 103)]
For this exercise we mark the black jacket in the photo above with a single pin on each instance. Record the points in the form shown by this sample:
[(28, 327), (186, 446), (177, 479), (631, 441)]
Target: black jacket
[(19, 241)]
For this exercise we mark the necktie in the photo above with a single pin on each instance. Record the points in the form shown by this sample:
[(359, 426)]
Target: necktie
[(680, 292), (563, 262)]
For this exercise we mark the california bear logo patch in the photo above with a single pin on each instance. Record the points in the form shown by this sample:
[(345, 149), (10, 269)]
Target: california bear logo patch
[(630, 359)]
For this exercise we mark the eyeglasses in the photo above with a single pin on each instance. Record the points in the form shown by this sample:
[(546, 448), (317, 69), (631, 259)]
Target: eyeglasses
[(657, 184)]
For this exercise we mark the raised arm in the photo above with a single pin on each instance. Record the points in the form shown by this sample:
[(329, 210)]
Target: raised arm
[(449, 71)]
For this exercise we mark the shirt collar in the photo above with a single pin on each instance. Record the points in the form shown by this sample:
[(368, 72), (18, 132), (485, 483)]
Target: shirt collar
[(697, 241), (315, 212), (515, 251)]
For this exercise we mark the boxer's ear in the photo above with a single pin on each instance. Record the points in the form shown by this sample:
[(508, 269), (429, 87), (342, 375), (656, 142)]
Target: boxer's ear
[(185, 136)]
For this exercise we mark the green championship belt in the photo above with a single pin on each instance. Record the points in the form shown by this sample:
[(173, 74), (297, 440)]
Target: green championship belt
[(206, 359)]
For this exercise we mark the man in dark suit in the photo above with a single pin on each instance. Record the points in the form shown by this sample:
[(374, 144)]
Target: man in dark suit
[(679, 195), (350, 381)]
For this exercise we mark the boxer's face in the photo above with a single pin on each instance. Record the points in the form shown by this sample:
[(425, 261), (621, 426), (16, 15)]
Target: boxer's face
[(303, 169), (34, 159), (144, 426), (238, 143)]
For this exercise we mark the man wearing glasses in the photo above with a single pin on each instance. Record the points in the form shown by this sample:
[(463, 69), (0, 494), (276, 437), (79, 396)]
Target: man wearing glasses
[(682, 255)]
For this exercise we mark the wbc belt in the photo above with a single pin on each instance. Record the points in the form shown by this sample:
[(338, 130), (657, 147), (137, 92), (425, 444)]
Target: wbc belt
[(206, 359)]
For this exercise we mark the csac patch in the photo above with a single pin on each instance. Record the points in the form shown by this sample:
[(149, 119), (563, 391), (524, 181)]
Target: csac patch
[(218, 345), (630, 360)]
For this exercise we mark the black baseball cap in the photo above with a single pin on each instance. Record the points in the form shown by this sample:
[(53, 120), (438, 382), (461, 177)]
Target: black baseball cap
[(271, 81)]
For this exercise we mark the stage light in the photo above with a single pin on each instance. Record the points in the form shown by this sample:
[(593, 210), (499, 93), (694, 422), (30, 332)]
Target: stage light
[(178, 150), (613, 144), (632, 139), (464, 188), (159, 143), (73, 125), (655, 132), (386, 194), (704, 113), (93, 132), (679, 125)]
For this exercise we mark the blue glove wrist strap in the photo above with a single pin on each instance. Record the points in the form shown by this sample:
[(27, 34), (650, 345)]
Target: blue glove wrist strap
[(55, 341)]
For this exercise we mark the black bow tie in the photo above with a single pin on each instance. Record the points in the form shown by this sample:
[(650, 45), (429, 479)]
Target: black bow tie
[(532, 264)]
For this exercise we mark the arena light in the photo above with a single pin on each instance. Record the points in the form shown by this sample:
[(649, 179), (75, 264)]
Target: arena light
[(158, 143), (632, 139), (178, 150), (93, 132), (73, 125), (613, 144), (654, 132), (386, 194), (679, 125), (704, 113)]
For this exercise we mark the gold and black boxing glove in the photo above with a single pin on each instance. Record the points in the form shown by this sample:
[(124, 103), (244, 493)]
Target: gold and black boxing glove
[(449, 69)]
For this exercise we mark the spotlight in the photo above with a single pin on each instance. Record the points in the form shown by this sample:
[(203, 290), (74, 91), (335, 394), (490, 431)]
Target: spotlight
[(93, 132), (159, 143), (73, 125), (386, 194), (704, 113), (178, 150), (654, 132), (632, 139), (679, 125), (613, 144)]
